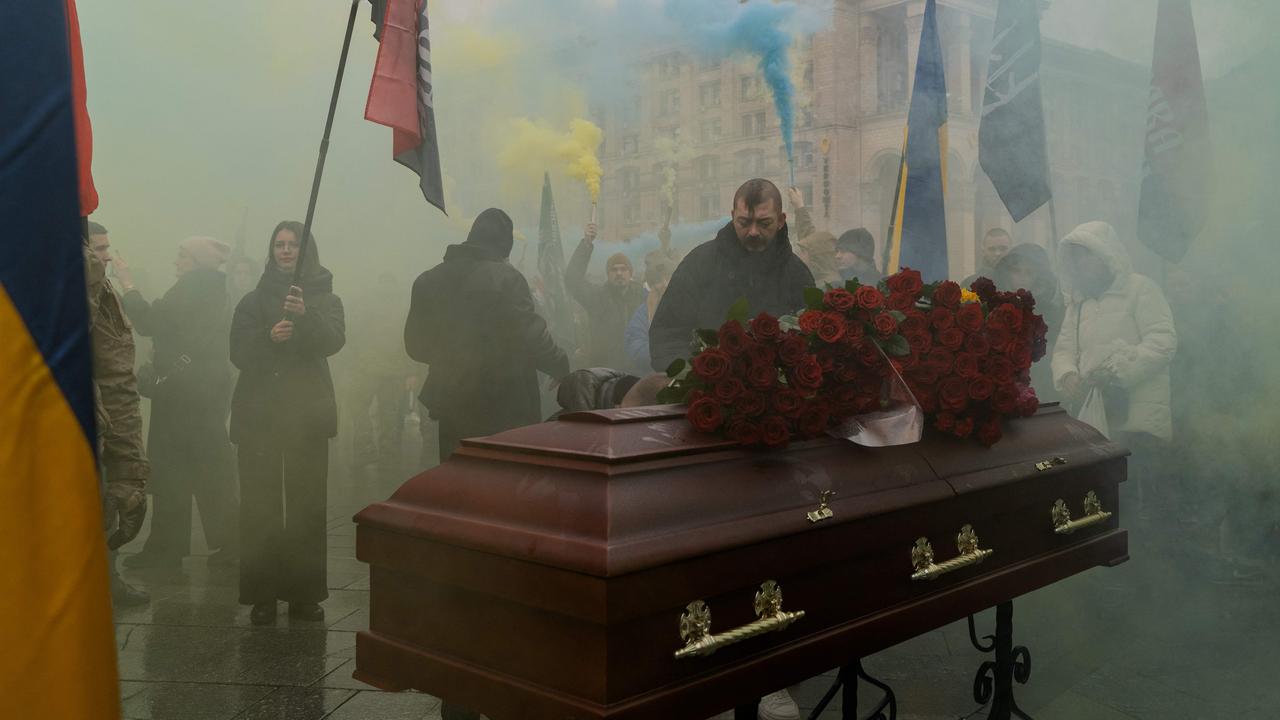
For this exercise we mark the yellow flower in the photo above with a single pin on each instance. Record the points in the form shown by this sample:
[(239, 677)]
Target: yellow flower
[(968, 296)]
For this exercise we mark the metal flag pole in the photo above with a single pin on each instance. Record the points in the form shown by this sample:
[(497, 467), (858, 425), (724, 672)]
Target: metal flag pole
[(324, 145)]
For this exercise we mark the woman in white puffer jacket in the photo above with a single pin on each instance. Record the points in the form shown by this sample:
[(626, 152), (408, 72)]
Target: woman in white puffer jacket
[(1117, 335)]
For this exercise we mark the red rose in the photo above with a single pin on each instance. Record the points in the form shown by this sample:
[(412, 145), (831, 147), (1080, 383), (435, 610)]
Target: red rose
[(989, 432), (941, 318), (951, 338), (885, 325), (869, 354), (733, 339), (999, 369), (854, 333), (1028, 403), (947, 294), (940, 360), (826, 360), (977, 344), (813, 418), (999, 337), (743, 431), (762, 377), (967, 365), (759, 354), (711, 364), (1019, 353), (920, 342), (905, 281), (984, 289), (981, 387), (765, 328), (750, 404), (809, 321), (1007, 315), (831, 326), (807, 375), (969, 318), (953, 393), (694, 396), (944, 421), (845, 398), (964, 426), (839, 299), (846, 372), (787, 402), (728, 390), (774, 431), (706, 415), (900, 302), (1005, 399), (915, 321), (869, 298), (925, 374), (793, 349)]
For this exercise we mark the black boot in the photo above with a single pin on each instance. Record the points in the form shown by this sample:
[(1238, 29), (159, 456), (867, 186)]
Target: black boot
[(306, 611), (263, 613), (125, 595)]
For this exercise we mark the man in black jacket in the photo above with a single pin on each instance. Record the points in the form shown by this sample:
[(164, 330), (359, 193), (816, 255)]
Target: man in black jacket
[(471, 319), (750, 257)]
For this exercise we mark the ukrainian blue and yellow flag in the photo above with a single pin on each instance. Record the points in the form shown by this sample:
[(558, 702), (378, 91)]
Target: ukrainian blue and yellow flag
[(918, 228), (58, 658)]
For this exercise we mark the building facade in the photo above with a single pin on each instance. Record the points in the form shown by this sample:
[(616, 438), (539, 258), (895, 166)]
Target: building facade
[(691, 130)]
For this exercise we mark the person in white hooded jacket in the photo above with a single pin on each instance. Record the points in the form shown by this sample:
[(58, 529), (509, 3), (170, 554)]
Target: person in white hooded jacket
[(1117, 336)]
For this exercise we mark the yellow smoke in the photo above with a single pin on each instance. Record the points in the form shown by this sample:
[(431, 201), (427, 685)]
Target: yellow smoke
[(532, 147), (670, 154)]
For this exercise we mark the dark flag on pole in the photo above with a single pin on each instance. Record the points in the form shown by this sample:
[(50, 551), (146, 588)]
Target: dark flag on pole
[(918, 229), (551, 266), (400, 93), (1011, 138), (1175, 171)]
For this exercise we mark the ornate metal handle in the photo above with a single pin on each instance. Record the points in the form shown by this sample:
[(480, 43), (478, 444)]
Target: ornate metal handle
[(1093, 514), (695, 623), (966, 545)]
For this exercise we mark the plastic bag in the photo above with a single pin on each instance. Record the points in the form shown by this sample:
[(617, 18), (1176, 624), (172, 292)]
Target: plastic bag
[(1094, 412)]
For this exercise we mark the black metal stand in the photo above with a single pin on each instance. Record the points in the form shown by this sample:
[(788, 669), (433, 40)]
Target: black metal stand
[(848, 678), (994, 681)]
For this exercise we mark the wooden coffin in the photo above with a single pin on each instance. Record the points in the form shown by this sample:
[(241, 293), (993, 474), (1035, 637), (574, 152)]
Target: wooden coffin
[(546, 572)]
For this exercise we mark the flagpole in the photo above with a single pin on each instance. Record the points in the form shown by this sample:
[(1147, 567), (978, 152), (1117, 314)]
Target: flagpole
[(324, 144)]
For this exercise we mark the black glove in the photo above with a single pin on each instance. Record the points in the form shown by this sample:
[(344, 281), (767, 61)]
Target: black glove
[(125, 506)]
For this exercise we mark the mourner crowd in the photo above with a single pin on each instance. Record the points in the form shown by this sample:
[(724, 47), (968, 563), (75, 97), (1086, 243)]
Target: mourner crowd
[(244, 406)]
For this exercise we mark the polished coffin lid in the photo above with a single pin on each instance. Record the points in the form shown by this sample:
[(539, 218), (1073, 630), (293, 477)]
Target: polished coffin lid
[(612, 492)]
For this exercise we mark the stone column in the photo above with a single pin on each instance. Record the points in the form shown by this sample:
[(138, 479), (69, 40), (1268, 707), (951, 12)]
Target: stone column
[(868, 66), (960, 57)]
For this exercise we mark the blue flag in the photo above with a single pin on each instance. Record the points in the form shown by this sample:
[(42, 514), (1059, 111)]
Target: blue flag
[(1011, 138), (918, 229)]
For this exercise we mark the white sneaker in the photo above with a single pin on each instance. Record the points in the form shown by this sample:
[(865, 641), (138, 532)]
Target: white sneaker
[(778, 706)]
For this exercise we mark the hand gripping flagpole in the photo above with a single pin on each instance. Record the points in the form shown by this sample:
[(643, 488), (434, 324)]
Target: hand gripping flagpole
[(324, 145)]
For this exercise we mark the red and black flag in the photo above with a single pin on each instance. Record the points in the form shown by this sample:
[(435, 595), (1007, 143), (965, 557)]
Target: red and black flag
[(400, 93), (1175, 171)]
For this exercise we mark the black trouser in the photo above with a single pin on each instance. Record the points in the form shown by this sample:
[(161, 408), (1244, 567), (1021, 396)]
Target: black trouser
[(283, 491), (211, 483)]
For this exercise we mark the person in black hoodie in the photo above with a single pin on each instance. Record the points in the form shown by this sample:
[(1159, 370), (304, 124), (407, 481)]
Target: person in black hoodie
[(189, 382), (283, 414), (750, 258), (471, 319)]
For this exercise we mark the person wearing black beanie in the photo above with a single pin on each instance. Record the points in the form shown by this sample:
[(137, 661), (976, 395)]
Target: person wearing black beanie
[(472, 320)]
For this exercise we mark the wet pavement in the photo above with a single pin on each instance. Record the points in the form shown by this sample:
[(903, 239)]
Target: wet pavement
[(1144, 640)]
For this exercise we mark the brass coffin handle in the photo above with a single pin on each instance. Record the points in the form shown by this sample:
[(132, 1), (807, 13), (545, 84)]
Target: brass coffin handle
[(1093, 514), (695, 623), (966, 545)]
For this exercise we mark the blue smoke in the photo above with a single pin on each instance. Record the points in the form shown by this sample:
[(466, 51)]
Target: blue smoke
[(722, 27)]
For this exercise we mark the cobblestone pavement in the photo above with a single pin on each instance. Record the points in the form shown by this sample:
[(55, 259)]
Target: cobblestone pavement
[(1138, 641)]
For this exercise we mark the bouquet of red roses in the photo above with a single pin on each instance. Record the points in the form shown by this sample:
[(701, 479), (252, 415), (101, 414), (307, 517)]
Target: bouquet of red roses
[(964, 355)]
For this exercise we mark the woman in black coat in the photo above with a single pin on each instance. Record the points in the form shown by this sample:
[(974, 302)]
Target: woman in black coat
[(283, 414), (189, 382)]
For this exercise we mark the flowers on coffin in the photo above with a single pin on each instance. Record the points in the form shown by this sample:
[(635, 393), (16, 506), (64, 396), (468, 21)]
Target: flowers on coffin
[(964, 354)]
